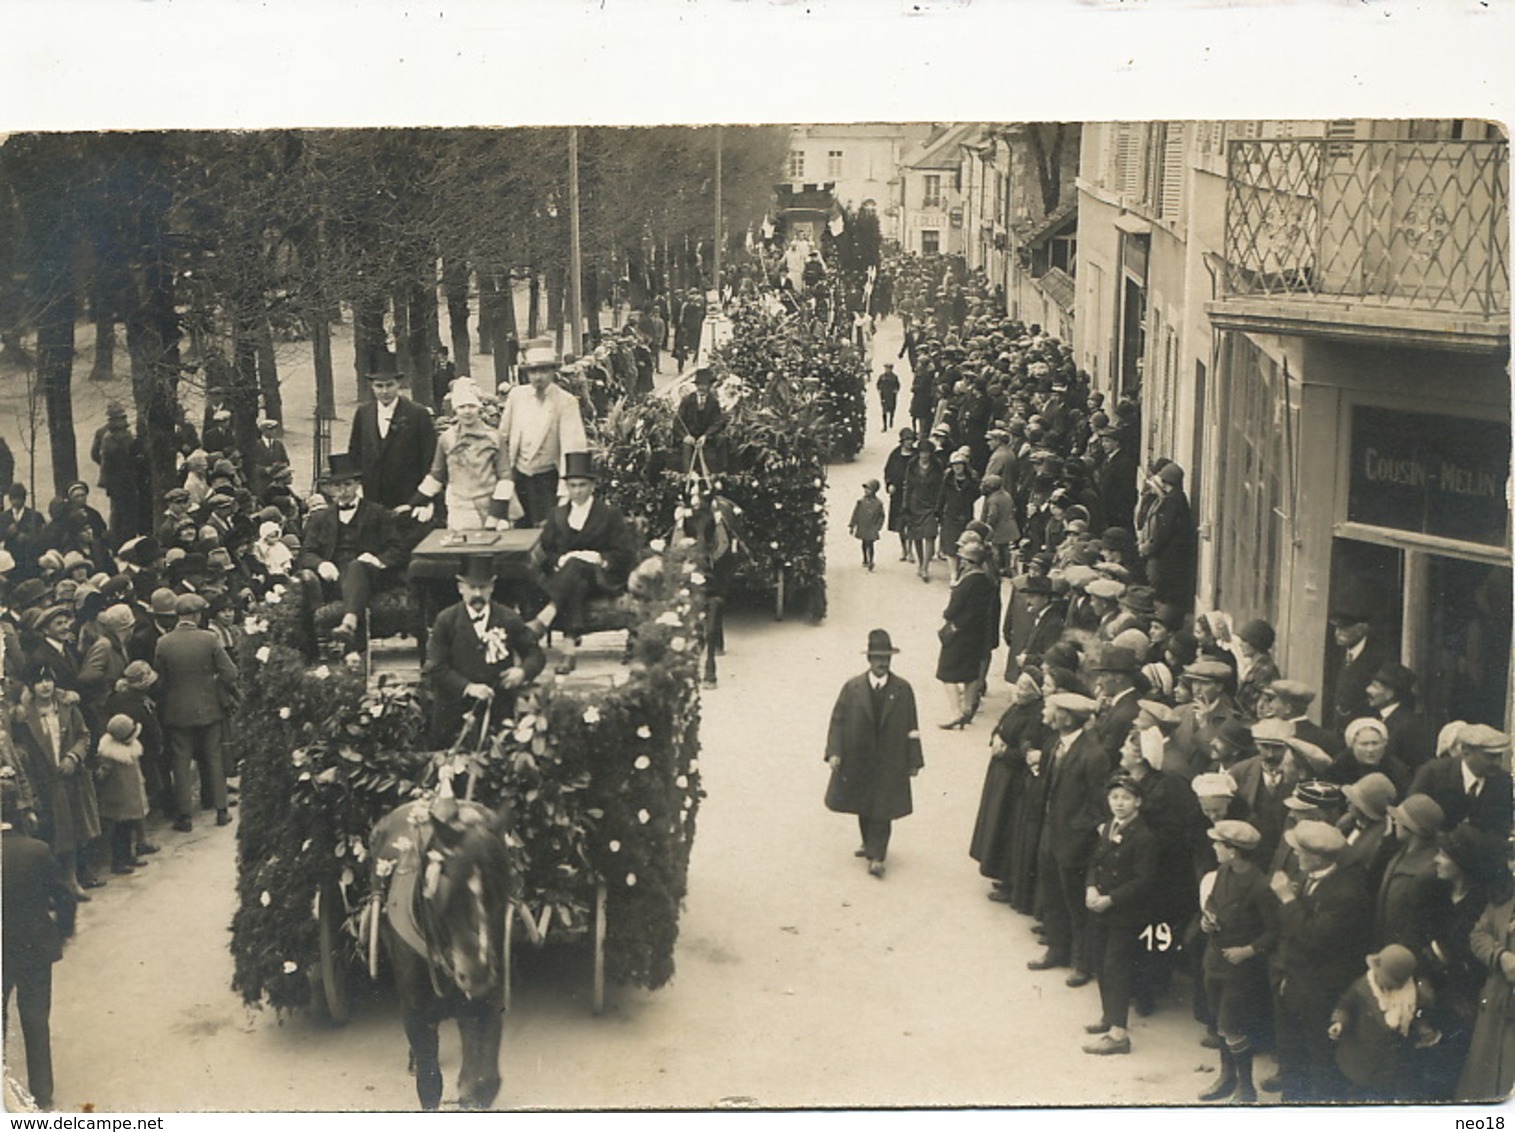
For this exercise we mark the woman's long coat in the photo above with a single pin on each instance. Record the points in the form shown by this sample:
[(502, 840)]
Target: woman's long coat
[(68, 808), (1489, 1072), (971, 612), (878, 752)]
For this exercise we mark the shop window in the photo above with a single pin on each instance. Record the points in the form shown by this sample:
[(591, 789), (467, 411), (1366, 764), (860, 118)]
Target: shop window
[(931, 241)]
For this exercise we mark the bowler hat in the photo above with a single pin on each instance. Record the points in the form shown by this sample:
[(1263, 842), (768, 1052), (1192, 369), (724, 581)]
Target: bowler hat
[(163, 602), (1372, 794), (1237, 834), (1421, 813), (1351, 609), (579, 466), (879, 643), (1036, 585), (476, 570), (29, 593), (1314, 794), (384, 376), (1318, 837), (1235, 734), (1139, 599), (342, 467), (1396, 677)]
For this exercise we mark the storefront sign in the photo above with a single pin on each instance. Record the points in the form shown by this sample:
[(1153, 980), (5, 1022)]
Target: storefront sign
[(1435, 475)]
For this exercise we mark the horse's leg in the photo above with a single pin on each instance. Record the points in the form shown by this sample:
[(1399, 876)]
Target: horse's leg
[(421, 1030), (479, 1028), (718, 624)]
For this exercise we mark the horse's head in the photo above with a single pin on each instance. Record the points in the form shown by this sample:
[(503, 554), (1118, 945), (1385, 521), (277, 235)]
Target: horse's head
[(464, 895)]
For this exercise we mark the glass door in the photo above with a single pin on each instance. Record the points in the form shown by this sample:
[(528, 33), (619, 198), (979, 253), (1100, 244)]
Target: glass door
[(1462, 648)]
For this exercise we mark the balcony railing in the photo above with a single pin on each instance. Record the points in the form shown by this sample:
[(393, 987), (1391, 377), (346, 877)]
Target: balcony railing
[(1419, 225)]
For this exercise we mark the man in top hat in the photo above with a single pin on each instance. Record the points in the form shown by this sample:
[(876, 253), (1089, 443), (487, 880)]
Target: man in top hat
[(1361, 654), (198, 678), (1472, 785), (1325, 919), (1114, 669), (1076, 768), (36, 917), (479, 656), (588, 550), (702, 423), (392, 443), (348, 546), (873, 746), (540, 424)]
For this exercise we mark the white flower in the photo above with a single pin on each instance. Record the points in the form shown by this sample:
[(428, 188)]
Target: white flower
[(321, 672), (658, 545), (642, 763), (591, 715), (778, 506), (615, 846), (694, 766), (678, 644), (290, 966), (304, 845), (298, 757), (274, 597), (643, 816), (404, 844), (265, 898), (631, 880), (681, 782), (688, 803), (284, 712), (644, 732), (262, 655), (668, 617), (697, 578), (278, 588), (384, 866)]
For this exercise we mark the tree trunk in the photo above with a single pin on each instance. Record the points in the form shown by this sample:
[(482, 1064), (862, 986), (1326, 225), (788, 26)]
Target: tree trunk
[(268, 371), (243, 401), (370, 351), (152, 338), (102, 305), (592, 302), (455, 280), (423, 336), (55, 369), (557, 287), (534, 311)]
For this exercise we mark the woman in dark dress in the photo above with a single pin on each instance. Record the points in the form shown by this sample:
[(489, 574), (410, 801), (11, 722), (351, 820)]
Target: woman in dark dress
[(966, 634), (1010, 807), (959, 493), (922, 504), (895, 467)]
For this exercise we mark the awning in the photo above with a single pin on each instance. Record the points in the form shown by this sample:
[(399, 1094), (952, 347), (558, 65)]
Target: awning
[(1058, 286), (1051, 225)]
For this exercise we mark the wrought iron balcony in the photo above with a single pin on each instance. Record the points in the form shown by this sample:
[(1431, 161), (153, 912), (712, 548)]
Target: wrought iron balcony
[(1413, 226)]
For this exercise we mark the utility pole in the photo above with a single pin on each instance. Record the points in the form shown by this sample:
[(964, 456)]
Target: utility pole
[(575, 260), (718, 218)]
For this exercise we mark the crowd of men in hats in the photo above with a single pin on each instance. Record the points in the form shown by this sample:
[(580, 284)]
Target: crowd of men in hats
[(1159, 800), (120, 639)]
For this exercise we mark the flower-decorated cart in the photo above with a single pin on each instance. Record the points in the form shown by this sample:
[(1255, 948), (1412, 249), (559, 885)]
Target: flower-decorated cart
[(602, 777)]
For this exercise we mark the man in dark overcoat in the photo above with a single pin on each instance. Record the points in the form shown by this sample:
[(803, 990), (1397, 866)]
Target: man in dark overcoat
[(198, 679), (480, 652), (1077, 768), (393, 441), (1472, 785), (1117, 480), (874, 749), (37, 916), (702, 423)]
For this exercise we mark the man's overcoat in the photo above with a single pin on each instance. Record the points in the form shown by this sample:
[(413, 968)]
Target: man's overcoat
[(878, 752)]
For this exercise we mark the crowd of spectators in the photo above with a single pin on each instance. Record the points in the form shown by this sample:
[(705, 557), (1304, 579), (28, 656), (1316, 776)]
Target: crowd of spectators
[(1159, 801)]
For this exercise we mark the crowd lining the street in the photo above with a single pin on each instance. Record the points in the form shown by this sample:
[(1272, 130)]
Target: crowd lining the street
[(1158, 799)]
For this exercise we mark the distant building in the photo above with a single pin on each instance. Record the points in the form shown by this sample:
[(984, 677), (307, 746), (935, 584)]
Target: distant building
[(933, 191), (854, 164)]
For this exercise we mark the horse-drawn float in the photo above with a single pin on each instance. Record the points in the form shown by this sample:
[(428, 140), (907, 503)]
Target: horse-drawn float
[(594, 783)]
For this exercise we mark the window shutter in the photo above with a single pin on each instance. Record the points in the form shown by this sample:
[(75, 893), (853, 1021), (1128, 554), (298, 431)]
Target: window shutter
[(1174, 171), (1129, 153)]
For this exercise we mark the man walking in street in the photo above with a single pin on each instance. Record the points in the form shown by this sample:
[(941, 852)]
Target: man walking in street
[(874, 750), (197, 676)]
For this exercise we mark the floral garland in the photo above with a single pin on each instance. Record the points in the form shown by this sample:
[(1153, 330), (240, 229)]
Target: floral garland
[(603, 785), (776, 476)]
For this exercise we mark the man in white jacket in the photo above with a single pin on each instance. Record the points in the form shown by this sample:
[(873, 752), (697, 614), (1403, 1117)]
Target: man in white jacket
[(540, 423)]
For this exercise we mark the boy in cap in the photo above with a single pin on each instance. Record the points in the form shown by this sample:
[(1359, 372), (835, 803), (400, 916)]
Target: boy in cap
[(867, 521)]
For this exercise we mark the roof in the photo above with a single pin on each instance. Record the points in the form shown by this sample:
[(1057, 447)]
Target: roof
[(942, 151), (1058, 286), (1050, 224)]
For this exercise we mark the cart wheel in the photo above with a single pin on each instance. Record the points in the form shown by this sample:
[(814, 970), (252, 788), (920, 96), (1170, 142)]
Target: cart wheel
[(599, 948), (334, 988)]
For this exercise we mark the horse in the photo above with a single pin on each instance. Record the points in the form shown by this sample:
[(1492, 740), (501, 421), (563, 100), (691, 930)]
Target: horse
[(441, 878)]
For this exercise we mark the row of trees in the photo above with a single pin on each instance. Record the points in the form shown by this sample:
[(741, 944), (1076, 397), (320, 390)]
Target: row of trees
[(208, 247)]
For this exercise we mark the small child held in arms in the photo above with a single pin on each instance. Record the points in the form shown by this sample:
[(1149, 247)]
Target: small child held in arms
[(867, 521)]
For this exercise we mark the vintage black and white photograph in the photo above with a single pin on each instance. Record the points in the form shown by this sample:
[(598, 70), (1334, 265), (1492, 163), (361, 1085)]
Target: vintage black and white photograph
[(971, 612)]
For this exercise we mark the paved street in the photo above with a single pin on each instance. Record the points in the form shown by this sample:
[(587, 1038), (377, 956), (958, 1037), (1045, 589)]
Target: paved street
[(801, 981)]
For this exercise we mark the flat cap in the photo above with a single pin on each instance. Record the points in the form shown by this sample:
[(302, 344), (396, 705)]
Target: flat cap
[(1205, 669), (1318, 837), (1214, 784), (1237, 834), (1484, 738), (1071, 702), (187, 605)]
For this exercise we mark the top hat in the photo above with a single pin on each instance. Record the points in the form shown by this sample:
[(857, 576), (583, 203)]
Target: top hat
[(879, 643), (476, 570), (579, 465), (342, 467)]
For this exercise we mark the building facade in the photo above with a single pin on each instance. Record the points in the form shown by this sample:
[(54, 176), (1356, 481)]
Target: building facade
[(1041, 257), (933, 192), (1315, 317), (857, 163)]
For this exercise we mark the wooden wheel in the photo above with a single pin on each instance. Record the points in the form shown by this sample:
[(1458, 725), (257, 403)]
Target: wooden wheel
[(599, 948), (334, 988)]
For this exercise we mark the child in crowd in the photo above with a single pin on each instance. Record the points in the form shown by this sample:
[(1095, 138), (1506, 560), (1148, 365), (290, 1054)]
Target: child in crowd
[(1377, 1024), (867, 521), (120, 789)]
